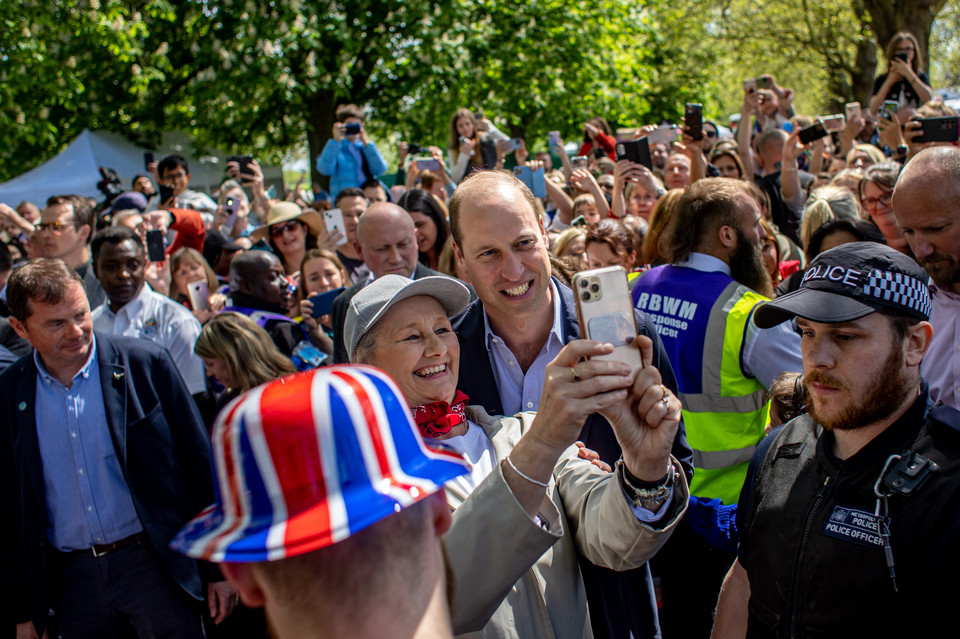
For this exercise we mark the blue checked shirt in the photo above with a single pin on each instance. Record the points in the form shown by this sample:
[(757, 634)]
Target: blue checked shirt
[(87, 498)]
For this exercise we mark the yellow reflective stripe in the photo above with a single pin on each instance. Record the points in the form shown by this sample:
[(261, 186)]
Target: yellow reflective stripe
[(733, 381)]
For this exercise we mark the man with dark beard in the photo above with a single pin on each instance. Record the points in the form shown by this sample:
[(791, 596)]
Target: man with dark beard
[(702, 303), (850, 514), (926, 203)]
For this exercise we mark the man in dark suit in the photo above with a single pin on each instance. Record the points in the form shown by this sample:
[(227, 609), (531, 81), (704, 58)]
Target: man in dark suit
[(522, 319), (104, 457), (387, 242)]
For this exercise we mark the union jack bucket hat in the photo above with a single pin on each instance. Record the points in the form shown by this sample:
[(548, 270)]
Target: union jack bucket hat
[(306, 461)]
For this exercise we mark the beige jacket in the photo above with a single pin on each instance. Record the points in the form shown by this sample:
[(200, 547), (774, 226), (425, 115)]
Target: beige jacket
[(513, 578)]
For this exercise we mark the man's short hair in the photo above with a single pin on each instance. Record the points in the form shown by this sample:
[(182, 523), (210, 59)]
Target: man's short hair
[(345, 111), (171, 162), (43, 280), (328, 577), (478, 185), (702, 209), (82, 210), (114, 235), (350, 191)]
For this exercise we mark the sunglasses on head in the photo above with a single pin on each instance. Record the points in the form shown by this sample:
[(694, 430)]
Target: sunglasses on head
[(277, 229)]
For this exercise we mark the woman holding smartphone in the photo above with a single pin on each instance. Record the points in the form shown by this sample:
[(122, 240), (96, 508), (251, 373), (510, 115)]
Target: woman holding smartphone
[(320, 272), (473, 143), (903, 82)]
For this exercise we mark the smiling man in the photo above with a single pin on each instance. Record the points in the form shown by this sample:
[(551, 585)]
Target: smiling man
[(850, 514), (521, 321), (134, 310)]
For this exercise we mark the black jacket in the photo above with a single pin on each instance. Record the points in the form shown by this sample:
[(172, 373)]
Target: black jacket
[(162, 448)]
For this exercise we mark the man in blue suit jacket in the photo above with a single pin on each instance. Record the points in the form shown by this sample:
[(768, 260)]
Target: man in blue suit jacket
[(103, 458), (522, 318)]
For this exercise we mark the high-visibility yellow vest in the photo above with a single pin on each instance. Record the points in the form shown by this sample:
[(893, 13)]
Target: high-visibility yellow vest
[(724, 411)]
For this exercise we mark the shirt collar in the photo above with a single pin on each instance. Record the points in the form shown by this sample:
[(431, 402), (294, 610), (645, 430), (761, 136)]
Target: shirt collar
[(83, 372), (706, 263), (556, 331)]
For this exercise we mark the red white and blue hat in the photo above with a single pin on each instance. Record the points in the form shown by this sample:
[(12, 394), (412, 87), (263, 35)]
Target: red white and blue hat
[(306, 461)]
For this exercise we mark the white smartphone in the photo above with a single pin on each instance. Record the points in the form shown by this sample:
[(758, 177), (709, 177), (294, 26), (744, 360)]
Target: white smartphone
[(333, 218), (199, 295), (834, 122), (605, 311), (852, 109)]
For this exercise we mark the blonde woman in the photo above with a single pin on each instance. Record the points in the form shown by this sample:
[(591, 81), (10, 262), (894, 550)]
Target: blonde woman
[(239, 354)]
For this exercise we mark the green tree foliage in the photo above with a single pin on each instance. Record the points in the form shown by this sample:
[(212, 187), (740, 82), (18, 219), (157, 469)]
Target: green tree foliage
[(266, 76)]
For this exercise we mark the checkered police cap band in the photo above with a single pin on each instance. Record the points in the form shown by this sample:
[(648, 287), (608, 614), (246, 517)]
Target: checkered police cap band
[(899, 289)]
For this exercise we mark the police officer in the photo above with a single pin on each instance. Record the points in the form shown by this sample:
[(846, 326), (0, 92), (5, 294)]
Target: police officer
[(849, 514), (702, 303)]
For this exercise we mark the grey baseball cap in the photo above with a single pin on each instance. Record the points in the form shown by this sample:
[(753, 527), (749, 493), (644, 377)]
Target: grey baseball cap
[(376, 298)]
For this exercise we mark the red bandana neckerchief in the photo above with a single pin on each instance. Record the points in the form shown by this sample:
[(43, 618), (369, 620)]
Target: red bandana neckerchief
[(437, 418)]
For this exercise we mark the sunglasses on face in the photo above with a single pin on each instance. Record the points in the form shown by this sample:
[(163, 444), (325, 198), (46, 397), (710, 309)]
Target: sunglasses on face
[(56, 227), (277, 229)]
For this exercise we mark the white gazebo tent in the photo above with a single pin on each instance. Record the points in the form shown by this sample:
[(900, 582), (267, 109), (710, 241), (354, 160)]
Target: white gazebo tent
[(75, 169)]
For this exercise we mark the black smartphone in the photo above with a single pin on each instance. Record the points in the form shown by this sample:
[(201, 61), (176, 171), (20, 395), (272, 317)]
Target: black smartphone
[(763, 82), (323, 303), (413, 148), (902, 56), (636, 151), (244, 161), (166, 192), (813, 132), (352, 129), (147, 159), (155, 248), (942, 129), (693, 120)]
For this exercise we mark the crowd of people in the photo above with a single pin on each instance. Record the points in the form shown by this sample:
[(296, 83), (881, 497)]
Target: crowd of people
[(386, 402)]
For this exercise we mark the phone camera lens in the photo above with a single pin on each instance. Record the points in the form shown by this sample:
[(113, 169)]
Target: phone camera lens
[(584, 283), (585, 297), (595, 288)]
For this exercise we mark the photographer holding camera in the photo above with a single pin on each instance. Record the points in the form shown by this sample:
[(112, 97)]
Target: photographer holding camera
[(349, 157)]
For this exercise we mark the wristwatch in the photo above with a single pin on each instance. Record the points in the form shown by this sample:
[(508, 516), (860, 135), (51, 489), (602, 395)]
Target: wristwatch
[(645, 494)]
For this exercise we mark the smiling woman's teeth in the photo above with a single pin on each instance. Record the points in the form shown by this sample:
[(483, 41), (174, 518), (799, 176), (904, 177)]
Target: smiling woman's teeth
[(520, 290), (432, 370)]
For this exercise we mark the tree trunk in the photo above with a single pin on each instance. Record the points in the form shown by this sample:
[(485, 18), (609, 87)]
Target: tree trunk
[(320, 117), (888, 17)]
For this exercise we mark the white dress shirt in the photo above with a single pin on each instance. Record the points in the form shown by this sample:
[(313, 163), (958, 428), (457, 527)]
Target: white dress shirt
[(158, 318)]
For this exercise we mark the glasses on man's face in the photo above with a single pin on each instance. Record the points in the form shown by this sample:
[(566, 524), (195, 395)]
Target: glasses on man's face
[(277, 229), (56, 227), (872, 202), (710, 134)]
